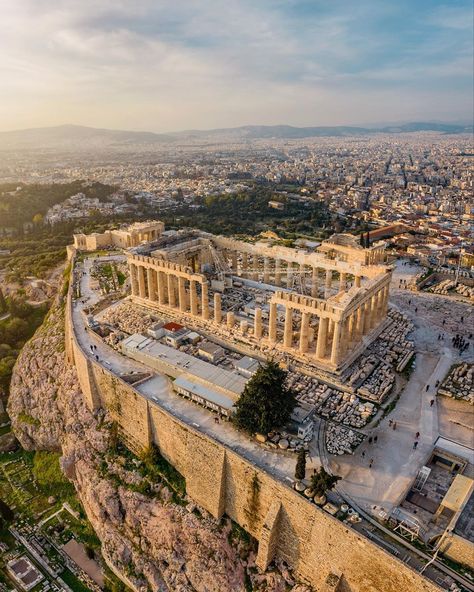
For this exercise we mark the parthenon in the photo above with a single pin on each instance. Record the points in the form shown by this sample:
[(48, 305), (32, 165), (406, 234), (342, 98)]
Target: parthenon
[(322, 307)]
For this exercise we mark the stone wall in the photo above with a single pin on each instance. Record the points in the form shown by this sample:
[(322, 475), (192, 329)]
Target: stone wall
[(458, 549), (324, 552)]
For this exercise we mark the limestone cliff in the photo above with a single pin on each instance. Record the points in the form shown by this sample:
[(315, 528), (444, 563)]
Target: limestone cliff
[(153, 541)]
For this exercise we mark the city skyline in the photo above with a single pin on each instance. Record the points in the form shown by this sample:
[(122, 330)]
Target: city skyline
[(170, 67)]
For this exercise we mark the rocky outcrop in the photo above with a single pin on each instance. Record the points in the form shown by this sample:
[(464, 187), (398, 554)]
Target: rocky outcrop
[(155, 542)]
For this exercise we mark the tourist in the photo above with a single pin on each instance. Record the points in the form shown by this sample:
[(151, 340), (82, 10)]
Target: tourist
[(371, 463), (431, 402)]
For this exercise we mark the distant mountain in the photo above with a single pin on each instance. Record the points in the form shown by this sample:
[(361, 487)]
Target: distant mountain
[(86, 138), (80, 136)]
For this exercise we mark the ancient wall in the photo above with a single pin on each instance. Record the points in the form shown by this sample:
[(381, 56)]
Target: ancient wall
[(322, 550), (458, 549)]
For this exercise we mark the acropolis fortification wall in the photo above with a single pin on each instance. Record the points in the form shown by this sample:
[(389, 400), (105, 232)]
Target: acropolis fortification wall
[(319, 548)]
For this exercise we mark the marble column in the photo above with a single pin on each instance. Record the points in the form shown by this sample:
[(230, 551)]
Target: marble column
[(217, 307), (359, 330), (230, 319), (328, 283), (245, 263), (336, 343), (266, 270), (257, 330), (366, 316), (193, 298), (314, 282), (373, 310), (277, 272), (182, 294), (234, 261), (133, 279), (171, 292), (303, 277), (150, 273), (289, 274), (304, 332), (141, 281), (386, 297), (205, 300), (272, 323), (342, 281), (254, 272), (357, 279), (288, 330), (160, 280), (321, 342)]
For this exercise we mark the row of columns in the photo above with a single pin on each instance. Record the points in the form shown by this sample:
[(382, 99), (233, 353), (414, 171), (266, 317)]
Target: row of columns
[(274, 269), (168, 289), (334, 337)]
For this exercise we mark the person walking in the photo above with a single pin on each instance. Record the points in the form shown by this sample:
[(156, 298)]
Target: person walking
[(371, 463), (431, 402), (415, 444)]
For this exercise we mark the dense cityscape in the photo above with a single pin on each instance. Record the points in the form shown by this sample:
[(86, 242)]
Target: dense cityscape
[(236, 296)]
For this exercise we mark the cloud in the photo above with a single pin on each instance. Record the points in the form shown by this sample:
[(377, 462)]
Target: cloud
[(163, 64)]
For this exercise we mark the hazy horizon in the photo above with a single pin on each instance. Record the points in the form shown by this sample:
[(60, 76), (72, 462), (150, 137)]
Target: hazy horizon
[(167, 66)]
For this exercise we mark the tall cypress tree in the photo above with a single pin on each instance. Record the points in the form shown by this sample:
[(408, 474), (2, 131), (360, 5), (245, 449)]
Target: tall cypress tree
[(300, 470), (266, 401)]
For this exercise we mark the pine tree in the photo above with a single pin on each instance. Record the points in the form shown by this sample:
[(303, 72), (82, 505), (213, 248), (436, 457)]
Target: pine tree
[(323, 481), (266, 402), (300, 470)]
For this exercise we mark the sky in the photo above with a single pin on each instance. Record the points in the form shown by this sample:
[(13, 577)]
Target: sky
[(166, 65)]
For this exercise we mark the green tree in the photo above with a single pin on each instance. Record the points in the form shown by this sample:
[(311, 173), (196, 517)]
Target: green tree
[(300, 470), (266, 402), (3, 302), (323, 481)]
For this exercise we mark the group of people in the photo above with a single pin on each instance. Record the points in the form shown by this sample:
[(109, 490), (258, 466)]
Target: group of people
[(460, 343)]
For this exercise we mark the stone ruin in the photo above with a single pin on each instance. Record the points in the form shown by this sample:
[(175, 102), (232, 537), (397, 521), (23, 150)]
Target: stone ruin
[(447, 286), (331, 403), (459, 383), (341, 440)]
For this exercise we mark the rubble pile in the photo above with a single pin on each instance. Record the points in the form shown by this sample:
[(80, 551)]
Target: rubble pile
[(127, 317), (393, 347), (373, 373), (331, 403), (341, 440), (459, 384), (284, 441), (447, 286), (378, 384), (465, 290)]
